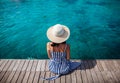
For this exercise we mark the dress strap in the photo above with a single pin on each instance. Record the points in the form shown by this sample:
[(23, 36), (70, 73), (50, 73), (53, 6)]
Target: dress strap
[(65, 48)]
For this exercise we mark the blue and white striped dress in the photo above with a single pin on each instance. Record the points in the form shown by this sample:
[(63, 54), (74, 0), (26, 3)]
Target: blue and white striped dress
[(60, 65)]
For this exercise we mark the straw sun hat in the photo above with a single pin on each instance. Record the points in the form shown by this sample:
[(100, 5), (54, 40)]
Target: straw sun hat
[(58, 33)]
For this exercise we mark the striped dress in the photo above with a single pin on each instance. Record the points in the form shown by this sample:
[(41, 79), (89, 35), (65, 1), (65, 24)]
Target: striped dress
[(58, 63)]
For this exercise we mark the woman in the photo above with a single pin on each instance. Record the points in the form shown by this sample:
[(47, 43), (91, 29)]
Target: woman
[(59, 52)]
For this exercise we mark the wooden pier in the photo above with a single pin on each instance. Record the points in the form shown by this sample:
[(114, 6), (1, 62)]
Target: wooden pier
[(30, 71)]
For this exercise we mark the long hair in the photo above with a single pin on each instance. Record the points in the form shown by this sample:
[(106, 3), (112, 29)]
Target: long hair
[(57, 44)]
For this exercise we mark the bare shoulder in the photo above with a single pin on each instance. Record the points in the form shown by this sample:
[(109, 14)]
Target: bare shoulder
[(48, 43)]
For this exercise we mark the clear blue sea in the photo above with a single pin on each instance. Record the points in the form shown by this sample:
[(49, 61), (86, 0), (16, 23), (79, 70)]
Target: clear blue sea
[(94, 26)]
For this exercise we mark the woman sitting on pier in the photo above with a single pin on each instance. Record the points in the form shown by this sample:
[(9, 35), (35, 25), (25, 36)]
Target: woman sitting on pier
[(59, 51)]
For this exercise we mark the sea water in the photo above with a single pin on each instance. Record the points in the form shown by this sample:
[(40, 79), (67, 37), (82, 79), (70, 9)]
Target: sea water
[(94, 26)]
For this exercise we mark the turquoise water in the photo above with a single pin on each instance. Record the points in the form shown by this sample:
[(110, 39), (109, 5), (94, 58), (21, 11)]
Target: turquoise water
[(94, 25)]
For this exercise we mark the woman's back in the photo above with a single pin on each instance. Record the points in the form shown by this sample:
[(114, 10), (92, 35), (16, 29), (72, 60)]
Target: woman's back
[(58, 50)]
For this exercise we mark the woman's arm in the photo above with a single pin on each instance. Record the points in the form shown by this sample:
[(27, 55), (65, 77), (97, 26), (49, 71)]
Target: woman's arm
[(68, 52), (48, 50)]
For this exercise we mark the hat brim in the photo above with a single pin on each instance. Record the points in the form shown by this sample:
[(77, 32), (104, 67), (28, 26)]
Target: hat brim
[(60, 39)]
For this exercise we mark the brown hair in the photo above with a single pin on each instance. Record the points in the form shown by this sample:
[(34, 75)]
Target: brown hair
[(57, 44)]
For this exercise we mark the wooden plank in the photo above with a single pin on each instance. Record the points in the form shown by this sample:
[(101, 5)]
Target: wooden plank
[(57, 80), (29, 66), (118, 61), (100, 78), (37, 77), (68, 78), (117, 66), (41, 75), (78, 75), (37, 74), (26, 77), (43, 65), (83, 72), (94, 76), (46, 65), (21, 65), (88, 72), (34, 66), (102, 62), (4, 69), (32, 73), (94, 64), (107, 63), (62, 79), (47, 75), (99, 66), (8, 72), (96, 70), (12, 65), (21, 76), (84, 77), (16, 65), (25, 66), (3, 64), (73, 77), (15, 77), (47, 61), (73, 74), (13, 72), (22, 72), (115, 77), (112, 65), (7, 65), (117, 74), (52, 74), (108, 77), (3, 80), (39, 65)]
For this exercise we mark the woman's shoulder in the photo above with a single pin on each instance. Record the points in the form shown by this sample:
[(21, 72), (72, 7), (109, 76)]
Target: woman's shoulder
[(49, 43)]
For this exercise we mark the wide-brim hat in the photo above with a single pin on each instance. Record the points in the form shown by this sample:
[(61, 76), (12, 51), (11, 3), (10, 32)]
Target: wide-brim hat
[(58, 33)]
